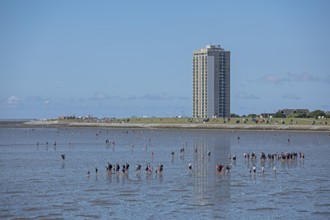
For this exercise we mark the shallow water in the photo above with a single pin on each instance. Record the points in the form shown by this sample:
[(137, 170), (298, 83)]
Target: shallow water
[(36, 183)]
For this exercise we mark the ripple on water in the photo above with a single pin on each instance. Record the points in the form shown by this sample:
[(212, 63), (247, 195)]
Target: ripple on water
[(88, 216), (32, 209), (238, 184), (102, 202), (44, 196), (5, 213), (3, 216), (263, 209), (134, 201), (322, 191), (94, 190), (204, 204), (53, 216), (127, 194), (16, 192), (70, 209), (281, 193), (179, 190), (34, 180), (325, 213), (69, 203)]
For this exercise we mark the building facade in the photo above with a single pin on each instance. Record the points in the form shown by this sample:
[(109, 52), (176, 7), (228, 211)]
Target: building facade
[(211, 82)]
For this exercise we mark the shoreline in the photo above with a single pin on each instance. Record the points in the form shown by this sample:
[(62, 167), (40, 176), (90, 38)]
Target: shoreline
[(240, 127)]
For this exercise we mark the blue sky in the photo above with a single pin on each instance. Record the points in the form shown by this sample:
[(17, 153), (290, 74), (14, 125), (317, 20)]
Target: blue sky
[(134, 58)]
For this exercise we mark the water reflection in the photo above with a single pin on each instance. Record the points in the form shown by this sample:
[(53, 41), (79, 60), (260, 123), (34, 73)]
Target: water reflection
[(202, 194), (211, 189)]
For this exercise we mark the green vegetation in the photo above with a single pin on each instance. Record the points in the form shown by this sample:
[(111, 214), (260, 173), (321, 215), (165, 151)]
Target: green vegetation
[(185, 120), (236, 120), (314, 114), (317, 114), (316, 117)]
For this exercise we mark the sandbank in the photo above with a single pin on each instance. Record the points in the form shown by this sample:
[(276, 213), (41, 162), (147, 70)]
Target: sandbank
[(260, 127)]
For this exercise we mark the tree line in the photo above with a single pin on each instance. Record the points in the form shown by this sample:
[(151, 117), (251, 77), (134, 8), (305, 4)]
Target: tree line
[(279, 114)]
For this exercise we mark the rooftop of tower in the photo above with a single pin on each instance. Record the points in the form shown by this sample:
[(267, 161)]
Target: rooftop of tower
[(209, 47), (213, 46)]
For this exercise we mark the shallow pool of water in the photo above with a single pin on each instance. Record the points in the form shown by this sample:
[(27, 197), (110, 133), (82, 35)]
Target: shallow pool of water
[(37, 183)]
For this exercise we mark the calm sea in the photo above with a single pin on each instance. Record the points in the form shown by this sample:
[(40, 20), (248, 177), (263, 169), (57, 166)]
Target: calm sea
[(36, 183)]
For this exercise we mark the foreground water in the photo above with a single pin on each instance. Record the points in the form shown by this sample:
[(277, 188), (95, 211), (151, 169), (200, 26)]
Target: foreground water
[(36, 183)]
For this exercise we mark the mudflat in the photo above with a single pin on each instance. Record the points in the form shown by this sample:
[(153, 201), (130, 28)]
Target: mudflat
[(270, 127)]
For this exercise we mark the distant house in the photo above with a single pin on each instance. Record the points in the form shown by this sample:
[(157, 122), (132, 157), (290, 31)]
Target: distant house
[(288, 112), (67, 117), (267, 115)]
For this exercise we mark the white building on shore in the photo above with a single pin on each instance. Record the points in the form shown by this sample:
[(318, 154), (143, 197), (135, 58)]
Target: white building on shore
[(211, 82)]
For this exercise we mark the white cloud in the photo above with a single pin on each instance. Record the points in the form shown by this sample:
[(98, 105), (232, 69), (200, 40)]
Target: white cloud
[(293, 78), (291, 96), (158, 97), (163, 96), (38, 99), (271, 78), (307, 77), (12, 100), (244, 95), (102, 96)]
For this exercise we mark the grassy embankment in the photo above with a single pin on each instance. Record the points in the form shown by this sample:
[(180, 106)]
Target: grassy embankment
[(249, 121), (232, 121)]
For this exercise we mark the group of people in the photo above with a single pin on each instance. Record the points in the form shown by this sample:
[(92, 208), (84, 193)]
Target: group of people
[(116, 168), (253, 169), (286, 157), (222, 169), (275, 156), (109, 142)]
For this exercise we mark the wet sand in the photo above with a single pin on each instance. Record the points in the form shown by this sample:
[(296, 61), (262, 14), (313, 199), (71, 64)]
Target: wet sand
[(259, 127)]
